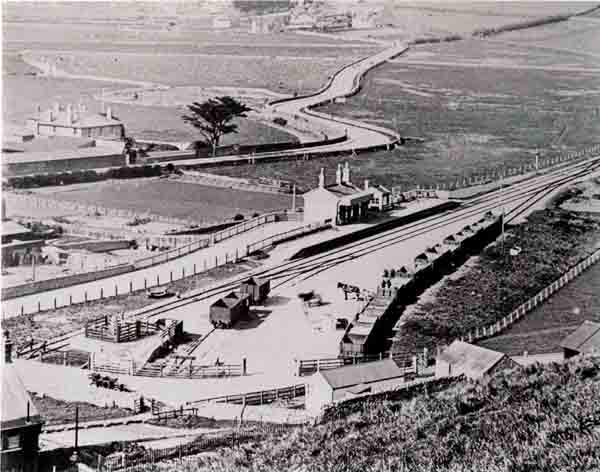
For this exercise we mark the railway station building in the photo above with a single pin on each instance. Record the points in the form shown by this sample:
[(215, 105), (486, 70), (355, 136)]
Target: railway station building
[(339, 203)]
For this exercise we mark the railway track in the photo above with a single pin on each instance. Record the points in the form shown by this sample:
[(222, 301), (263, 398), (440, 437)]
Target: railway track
[(289, 270), (304, 269)]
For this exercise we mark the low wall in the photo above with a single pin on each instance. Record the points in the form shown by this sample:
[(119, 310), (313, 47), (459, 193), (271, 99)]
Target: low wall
[(371, 230), (63, 165)]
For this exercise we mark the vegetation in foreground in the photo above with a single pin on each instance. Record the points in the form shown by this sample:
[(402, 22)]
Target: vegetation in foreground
[(55, 411), (551, 240), (542, 418)]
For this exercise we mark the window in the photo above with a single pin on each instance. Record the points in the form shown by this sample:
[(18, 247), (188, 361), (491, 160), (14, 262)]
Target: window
[(12, 441)]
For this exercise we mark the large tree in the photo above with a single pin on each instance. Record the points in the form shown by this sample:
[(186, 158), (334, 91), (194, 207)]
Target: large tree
[(213, 118)]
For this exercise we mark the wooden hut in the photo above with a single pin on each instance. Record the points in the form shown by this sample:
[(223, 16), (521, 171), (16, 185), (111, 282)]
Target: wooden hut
[(226, 311), (258, 289)]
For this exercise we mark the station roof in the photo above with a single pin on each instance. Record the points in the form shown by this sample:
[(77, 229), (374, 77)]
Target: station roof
[(584, 339), (362, 374), (15, 399), (468, 358)]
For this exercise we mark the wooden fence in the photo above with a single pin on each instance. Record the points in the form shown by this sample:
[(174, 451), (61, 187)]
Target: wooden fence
[(495, 328), (69, 357), (260, 397), (310, 366), (286, 236)]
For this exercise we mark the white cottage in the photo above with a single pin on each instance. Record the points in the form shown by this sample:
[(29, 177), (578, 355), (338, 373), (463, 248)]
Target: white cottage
[(339, 203), (328, 386)]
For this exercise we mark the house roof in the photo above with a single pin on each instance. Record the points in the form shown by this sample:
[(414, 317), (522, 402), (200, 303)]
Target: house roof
[(15, 399), (465, 357), (366, 373), (80, 119), (584, 339)]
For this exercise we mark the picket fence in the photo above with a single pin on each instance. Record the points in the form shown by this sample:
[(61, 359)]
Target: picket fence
[(495, 328), (110, 289)]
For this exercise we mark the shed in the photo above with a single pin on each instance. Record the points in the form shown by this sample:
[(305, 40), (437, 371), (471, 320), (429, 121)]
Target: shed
[(328, 386), (258, 289), (471, 360), (584, 340)]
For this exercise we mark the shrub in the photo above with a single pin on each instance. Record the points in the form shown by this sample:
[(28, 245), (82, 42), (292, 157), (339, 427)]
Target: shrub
[(278, 120), (238, 217), (255, 215)]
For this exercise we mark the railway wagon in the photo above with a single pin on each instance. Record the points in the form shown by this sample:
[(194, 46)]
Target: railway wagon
[(226, 311), (258, 289)]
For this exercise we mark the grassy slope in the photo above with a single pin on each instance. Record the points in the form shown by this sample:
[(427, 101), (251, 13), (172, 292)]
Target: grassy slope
[(551, 240), (55, 411), (543, 418)]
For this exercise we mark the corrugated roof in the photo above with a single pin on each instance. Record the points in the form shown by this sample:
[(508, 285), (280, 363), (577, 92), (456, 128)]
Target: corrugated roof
[(15, 399), (584, 339), (465, 357), (343, 189), (366, 373)]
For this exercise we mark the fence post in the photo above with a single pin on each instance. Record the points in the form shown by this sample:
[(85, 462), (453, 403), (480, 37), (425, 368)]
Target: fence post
[(39, 307), (157, 279), (171, 276), (116, 290), (85, 296), (131, 286), (194, 268), (55, 303), (244, 366), (183, 272)]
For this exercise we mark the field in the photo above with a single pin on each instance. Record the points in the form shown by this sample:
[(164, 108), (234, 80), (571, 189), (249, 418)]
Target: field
[(479, 105), (551, 242), (538, 418), (176, 199), (23, 91), (543, 329)]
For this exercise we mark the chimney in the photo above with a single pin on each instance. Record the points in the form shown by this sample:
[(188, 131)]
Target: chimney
[(366, 184), (346, 174), (7, 347), (322, 178), (69, 114), (108, 113), (338, 175)]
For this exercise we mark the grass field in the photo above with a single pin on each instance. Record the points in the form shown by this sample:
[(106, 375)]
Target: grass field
[(473, 118), (176, 199), (23, 91), (544, 328), (552, 241)]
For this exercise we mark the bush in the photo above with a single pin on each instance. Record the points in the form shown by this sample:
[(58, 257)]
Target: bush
[(280, 121), (255, 215), (238, 217)]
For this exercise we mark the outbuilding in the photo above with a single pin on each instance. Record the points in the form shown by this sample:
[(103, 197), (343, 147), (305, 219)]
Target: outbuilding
[(329, 386), (257, 288), (584, 340), (461, 358)]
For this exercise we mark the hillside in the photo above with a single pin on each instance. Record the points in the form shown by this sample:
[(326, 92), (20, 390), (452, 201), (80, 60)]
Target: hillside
[(543, 418)]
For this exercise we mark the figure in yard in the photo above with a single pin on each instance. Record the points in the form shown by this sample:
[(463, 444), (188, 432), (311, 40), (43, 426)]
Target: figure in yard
[(213, 118)]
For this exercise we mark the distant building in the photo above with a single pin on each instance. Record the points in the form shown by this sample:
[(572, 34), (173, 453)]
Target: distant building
[(20, 424), (339, 203), (584, 340), (221, 22), (66, 121), (329, 386), (334, 22), (472, 361), (382, 197)]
